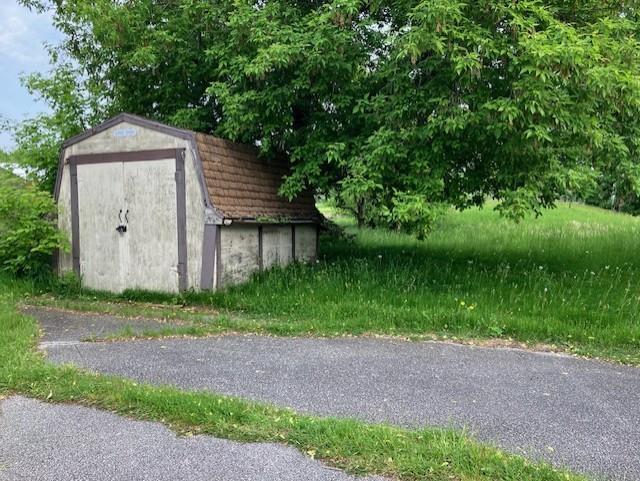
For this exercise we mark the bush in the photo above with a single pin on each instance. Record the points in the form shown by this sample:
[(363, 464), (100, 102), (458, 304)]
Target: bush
[(28, 233)]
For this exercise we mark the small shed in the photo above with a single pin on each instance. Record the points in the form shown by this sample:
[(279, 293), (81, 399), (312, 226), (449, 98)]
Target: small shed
[(154, 207)]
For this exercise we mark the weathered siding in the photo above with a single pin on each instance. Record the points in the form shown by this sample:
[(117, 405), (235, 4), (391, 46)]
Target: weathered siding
[(150, 259), (65, 260), (240, 248), (103, 249), (306, 242), (277, 249), (239, 252), (126, 137)]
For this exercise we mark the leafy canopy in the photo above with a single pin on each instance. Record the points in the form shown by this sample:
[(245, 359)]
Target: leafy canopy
[(395, 107)]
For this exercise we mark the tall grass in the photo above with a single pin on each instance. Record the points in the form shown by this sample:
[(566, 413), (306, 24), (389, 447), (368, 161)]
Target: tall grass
[(571, 276)]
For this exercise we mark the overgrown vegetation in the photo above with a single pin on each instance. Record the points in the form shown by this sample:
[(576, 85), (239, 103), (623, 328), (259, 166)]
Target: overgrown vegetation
[(615, 193), (570, 279), (28, 232), (359, 448)]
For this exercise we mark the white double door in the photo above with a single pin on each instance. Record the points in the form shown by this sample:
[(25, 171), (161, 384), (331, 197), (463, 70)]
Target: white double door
[(141, 197)]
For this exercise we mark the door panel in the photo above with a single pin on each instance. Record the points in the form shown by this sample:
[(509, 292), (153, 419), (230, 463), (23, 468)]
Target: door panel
[(151, 254), (100, 198)]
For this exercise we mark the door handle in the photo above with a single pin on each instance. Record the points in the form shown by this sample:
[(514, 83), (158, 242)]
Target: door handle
[(122, 228)]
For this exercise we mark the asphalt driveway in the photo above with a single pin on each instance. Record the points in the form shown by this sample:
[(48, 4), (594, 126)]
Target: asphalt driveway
[(576, 413), (59, 443), (61, 327)]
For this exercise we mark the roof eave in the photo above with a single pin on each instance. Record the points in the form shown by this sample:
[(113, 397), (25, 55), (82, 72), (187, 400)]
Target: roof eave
[(276, 220), (131, 119)]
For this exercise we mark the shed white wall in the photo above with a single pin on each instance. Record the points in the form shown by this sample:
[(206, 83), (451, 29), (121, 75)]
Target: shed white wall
[(151, 260), (277, 249), (65, 259), (239, 252), (240, 248), (306, 242), (104, 251), (112, 140)]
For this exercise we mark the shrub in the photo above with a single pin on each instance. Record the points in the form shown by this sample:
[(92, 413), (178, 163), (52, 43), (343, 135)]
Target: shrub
[(28, 233)]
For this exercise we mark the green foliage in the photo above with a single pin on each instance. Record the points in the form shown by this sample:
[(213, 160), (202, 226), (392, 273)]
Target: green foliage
[(378, 104), (28, 234), (68, 284), (616, 193), (75, 106), (414, 213)]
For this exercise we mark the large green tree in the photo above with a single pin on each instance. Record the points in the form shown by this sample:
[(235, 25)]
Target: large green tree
[(394, 107)]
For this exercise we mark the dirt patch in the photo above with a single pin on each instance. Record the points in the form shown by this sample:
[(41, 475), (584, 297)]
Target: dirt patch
[(97, 312)]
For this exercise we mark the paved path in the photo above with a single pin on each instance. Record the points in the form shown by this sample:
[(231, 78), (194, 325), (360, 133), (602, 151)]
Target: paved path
[(577, 413), (66, 328), (59, 443)]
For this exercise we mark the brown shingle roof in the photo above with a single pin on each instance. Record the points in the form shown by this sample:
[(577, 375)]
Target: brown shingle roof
[(242, 186)]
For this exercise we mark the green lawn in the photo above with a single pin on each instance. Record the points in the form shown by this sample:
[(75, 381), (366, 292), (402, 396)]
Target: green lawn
[(569, 279), (360, 448)]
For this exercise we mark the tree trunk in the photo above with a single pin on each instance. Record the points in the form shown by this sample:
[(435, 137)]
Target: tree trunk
[(360, 213)]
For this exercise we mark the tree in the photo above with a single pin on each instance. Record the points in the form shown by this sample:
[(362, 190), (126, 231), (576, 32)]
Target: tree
[(395, 107), (75, 106)]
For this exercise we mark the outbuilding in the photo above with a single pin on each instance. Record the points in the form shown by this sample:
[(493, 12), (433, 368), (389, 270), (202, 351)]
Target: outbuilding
[(154, 207)]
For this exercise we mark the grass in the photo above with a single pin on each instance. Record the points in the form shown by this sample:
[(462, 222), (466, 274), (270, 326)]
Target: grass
[(569, 280), (359, 448)]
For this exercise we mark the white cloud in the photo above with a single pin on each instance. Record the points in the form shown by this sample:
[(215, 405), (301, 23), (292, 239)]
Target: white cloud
[(23, 34)]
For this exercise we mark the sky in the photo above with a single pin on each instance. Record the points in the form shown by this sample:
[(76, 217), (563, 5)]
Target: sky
[(23, 34)]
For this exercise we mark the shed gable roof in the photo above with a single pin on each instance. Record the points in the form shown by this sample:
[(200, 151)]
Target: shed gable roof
[(239, 185)]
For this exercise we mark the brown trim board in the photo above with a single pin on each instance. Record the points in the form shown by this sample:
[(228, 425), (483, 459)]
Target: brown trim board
[(208, 257), (181, 208), (138, 155)]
